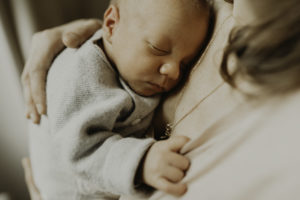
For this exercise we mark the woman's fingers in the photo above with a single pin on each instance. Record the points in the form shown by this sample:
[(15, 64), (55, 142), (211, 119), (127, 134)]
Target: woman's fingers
[(31, 111), (44, 46), (79, 31), (33, 190), (38, 90)]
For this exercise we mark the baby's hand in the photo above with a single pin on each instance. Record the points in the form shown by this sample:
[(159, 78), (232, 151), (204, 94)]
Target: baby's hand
[(164, 167)]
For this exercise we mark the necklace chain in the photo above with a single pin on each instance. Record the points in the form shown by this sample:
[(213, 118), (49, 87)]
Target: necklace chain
[(170, 126)]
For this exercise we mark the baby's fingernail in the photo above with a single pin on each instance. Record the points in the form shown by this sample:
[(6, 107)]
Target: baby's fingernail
[(40, 108)]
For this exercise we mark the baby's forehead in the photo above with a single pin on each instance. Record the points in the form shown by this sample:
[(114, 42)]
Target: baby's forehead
[(160, 13), (132, 6)]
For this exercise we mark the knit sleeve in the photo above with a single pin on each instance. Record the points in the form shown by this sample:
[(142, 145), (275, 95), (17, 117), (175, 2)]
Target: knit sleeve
[(84, 104)]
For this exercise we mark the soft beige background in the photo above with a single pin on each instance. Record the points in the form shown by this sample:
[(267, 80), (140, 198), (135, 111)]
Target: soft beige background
[(19, 19)]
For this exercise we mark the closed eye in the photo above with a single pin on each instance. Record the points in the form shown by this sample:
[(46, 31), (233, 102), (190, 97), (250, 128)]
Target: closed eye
[(157, 51)]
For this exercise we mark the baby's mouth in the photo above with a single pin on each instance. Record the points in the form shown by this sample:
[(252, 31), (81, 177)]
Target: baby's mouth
[(157, 87)]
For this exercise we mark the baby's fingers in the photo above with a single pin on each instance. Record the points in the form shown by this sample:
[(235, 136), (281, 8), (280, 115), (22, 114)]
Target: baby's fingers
[(179, 161), (176, 189), (173, 174), (176, 143)]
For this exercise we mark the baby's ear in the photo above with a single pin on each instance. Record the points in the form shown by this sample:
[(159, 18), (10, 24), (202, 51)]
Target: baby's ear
[(111, 19)]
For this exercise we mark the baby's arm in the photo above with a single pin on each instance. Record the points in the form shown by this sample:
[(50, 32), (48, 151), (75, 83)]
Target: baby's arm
[(83, 111)]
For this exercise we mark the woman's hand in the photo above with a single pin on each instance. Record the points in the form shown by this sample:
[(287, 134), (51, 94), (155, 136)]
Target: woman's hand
[(164, 167), (44, 46), (33, 190)]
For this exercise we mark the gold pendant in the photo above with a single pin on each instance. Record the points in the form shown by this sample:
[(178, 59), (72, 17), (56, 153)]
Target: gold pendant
[(168, 130)]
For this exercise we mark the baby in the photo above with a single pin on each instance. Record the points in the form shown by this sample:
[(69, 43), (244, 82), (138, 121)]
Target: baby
[(101, 98)]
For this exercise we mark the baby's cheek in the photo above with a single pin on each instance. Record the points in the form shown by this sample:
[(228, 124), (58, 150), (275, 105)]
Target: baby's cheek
[(174, 83)]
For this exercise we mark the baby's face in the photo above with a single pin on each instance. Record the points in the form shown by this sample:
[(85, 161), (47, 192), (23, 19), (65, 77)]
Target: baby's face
[(151, 50)]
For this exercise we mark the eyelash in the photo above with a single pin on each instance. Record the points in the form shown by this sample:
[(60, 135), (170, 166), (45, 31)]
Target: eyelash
[(156, 51), (153, 47)]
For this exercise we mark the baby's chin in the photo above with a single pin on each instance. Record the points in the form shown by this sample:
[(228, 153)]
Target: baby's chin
[(145, 88), (147, 92)]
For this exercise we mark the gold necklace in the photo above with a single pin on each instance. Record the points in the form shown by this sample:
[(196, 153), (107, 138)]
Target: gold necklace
[(171, 126)]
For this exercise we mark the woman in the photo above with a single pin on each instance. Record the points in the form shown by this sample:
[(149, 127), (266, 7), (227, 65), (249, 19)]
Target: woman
[(245, 131)]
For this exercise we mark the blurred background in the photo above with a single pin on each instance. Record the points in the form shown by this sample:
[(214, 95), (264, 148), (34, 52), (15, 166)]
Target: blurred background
[(19, 19)]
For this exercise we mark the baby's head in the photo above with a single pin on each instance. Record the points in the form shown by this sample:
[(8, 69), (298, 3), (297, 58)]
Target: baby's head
[(151, 41)]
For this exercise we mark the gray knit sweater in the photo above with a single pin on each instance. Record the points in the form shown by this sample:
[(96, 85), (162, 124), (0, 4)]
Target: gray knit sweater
[(92, 140)]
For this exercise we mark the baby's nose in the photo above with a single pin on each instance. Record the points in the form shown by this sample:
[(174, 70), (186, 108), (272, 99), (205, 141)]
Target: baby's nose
[(171, 70)]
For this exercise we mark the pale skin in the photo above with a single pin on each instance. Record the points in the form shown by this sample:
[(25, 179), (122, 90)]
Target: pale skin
[(162, 48)]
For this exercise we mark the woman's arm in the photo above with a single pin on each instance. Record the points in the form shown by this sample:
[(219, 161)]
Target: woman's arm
[(44, 46)]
